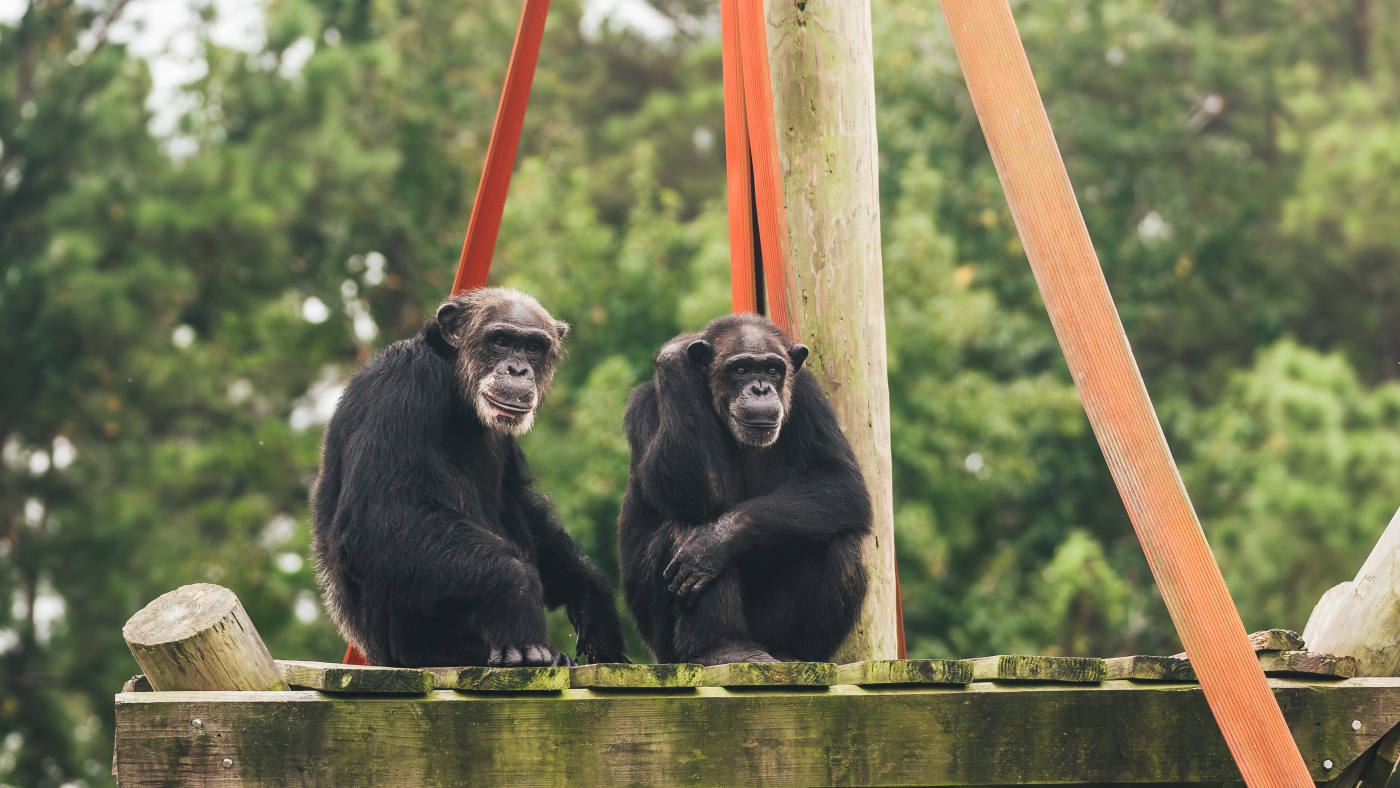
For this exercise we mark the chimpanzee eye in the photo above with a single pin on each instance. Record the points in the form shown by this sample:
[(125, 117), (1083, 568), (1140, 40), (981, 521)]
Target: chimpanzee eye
[(772, 372), (533, 347), (500, 343), (741, 371)]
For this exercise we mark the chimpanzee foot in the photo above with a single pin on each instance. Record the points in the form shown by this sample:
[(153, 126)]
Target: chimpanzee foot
[(725, 653), (532, 655)]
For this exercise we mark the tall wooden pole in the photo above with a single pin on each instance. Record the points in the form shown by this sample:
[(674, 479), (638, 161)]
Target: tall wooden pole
[(824, 94)]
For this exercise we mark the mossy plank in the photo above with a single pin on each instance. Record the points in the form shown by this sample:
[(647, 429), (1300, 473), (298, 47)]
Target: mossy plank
[(1116, 732), (620, 676), (1307, 663), (478, 679), (770, 674), (1020, 667), (1269, 640), (1149, 668), (332, 677), (905, 671)]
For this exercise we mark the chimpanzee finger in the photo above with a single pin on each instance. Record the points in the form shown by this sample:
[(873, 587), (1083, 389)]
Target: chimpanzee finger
[(671, 569), (513, 657), (496, 659), (535, 656), (562, 660)]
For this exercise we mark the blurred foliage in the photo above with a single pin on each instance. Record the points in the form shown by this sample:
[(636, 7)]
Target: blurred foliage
[(176, 313)]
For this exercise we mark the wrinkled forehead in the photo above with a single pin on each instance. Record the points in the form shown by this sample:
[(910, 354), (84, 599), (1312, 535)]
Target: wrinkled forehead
[(749, 340), (526, 317)]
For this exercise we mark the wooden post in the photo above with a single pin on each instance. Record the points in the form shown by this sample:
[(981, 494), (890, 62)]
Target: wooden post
[(1362, 618), (824, 95), (198, 637)]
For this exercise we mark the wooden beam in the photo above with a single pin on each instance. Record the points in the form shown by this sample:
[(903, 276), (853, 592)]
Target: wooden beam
[(199, 637), (770, 674), (334, 677), (821, 58), (983, 734), (617, 676), (1362, 618), (476, 679), (1148, 668)]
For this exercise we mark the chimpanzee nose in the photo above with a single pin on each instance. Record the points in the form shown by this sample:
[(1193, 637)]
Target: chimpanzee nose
[(761, 388), (517, 369)]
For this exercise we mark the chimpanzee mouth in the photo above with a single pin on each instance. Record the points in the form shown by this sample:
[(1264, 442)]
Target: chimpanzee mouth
[(510, 410), (758, 425)]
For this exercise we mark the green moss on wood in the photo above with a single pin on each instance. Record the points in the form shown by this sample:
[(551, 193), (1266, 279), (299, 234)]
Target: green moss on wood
[(906, 671), (769, 674), (619, 676), (1148, 668), (478, 679), (1307, 663), (1017, 667), (330, 677)]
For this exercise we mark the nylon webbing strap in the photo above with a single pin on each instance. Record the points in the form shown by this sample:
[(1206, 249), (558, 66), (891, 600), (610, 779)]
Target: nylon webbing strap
[(1086, 322), (755, 179), (485, 224)]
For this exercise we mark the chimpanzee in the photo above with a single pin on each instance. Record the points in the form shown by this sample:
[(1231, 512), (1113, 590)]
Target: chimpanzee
[(744, 518), (432, 546)]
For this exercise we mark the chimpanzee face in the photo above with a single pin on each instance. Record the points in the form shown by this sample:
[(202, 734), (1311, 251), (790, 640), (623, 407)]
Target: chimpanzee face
[(507, 349), (750, 368)]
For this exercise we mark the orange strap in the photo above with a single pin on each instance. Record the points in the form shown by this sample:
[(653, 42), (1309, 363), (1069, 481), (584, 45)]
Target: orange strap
[(1115, 398), (485, 224)]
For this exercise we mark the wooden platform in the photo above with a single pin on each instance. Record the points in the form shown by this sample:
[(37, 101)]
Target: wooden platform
[(999, 732)]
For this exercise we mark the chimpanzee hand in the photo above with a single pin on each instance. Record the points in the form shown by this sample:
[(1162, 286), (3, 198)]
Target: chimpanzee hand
[(699, 560), (531, 655), (595, 643)]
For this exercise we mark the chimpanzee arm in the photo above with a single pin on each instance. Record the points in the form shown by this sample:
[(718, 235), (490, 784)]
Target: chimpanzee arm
[(568, 577), (679, 459)]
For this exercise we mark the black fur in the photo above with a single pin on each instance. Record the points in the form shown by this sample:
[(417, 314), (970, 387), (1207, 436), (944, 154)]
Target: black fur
[(732, 552), (432, 546)]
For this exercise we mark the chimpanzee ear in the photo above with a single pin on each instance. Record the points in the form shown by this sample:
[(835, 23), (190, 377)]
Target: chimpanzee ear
[(798, 354), (449, 316), (700, 352), (561, 328)]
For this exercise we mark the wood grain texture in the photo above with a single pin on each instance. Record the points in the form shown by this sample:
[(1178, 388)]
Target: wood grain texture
[(479, 679), (1307, 663), (1269, 640), (983, 734), (618, 676), (1041, 199), (199, 637), (905, 671), (1362, 618), (334, 677), (824, 103), (770, 674), (1149, 668), (1020, 667)]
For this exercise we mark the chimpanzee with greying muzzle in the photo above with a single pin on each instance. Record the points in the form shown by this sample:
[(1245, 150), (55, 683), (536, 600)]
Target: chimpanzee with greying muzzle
[(742, 527), (432, 546)]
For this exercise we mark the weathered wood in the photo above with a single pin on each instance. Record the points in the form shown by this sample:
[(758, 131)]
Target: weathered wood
[(618, 676), (1362, 618), (1307, 663), (477, 679), (332, 677), (822, 65), (198, 637), (877, 672), (1381, 769), (1148, 668), (1020, 667), (983, 734), (1269, 640), (770, 674), (137, 683)]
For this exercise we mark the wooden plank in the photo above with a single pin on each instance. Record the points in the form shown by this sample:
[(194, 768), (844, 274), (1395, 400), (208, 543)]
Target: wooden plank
[(770, 674), (334, 677), (619, 676), (905, 671), (478, 679), (1269, 640), (982, 734), (1148, 668), (1020, 667), (1307, 663)]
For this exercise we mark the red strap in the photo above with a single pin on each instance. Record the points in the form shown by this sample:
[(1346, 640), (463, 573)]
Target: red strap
[(485, 224), (353, 656), (743, 274)]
